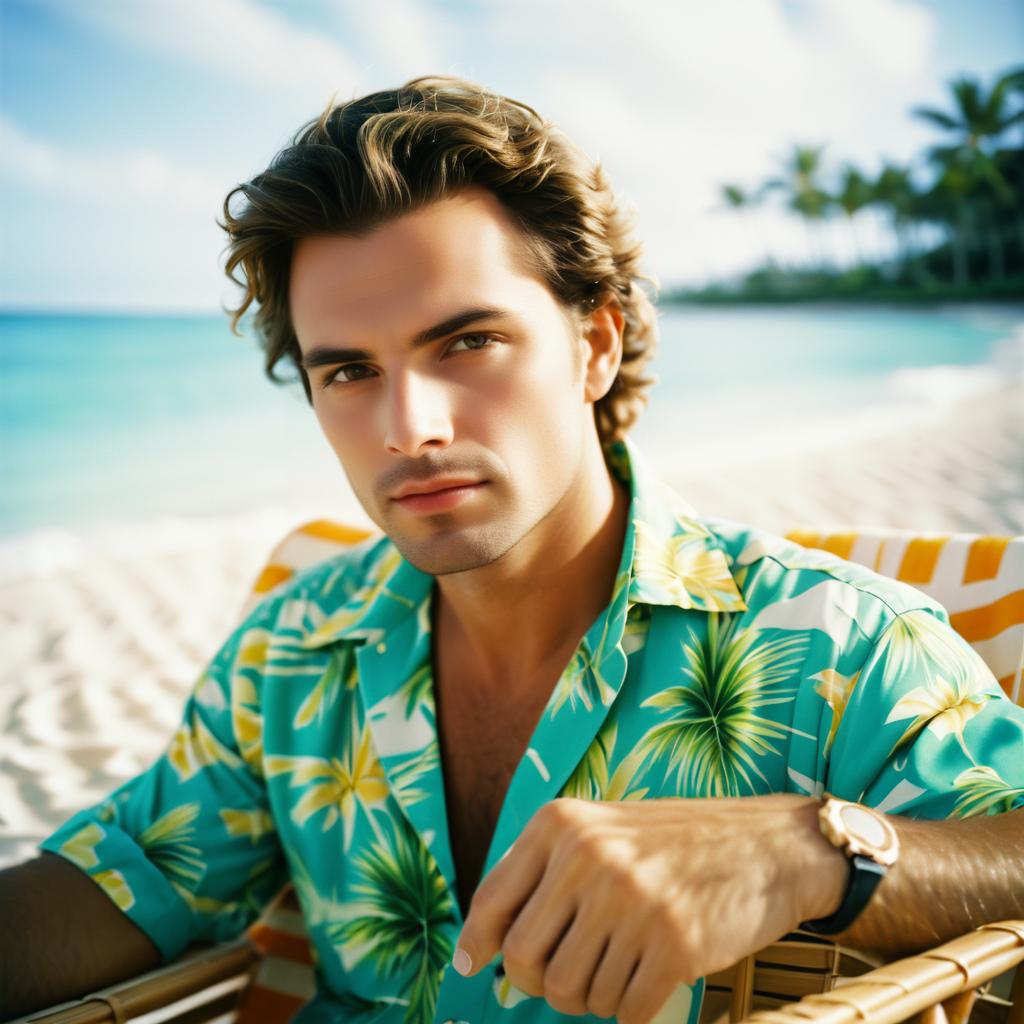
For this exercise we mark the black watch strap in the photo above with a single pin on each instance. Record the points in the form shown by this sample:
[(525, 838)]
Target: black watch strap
[(865, 875)]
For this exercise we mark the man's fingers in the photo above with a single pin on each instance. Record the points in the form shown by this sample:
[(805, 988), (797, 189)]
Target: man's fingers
[(608, 986), (650, 988), (572, 965), (496, 904), (538, 931)]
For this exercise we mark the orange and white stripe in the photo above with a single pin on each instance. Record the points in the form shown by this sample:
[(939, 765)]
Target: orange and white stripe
[(979, 580)]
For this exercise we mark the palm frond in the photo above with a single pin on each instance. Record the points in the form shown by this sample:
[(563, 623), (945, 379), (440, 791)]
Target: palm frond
[(984, 791), (715, 733), (399, 922)]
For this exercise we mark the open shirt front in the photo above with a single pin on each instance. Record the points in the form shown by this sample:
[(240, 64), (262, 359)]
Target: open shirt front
[(728, 662)]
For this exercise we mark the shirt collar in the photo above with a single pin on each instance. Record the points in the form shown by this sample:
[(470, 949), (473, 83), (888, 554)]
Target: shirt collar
[(676, 559), (673, 557)]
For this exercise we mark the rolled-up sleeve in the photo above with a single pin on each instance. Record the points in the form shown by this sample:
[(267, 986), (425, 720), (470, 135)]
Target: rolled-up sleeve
[(188, 849)]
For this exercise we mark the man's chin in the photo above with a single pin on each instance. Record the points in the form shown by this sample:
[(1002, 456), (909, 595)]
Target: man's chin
[(453, 550)]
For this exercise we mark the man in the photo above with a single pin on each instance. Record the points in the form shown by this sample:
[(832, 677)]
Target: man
[(553, 745)]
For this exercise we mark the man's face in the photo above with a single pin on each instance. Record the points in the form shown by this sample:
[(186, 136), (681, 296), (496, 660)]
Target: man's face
[(458, 438)]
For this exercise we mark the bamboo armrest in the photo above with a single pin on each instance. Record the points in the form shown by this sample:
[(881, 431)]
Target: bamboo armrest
[(948, 975), (210, 977)]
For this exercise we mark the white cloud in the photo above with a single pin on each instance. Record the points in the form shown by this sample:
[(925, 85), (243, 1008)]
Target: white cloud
[(238, 38), (677, 99), (402, 38), (117, 178)]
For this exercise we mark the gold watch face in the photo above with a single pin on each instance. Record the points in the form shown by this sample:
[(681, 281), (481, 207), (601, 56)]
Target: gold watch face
[(860, 831), (864, 826)]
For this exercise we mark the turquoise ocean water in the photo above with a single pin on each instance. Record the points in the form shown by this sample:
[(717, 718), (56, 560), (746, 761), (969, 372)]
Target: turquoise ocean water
[(123, 418)]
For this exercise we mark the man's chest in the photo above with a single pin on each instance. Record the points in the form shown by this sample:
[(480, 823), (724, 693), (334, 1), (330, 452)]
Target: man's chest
[(481, 745)]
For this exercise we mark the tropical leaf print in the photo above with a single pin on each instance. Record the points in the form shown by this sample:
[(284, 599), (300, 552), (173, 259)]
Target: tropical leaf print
[(194, 747), (418, 690), (357, 605), (983, 791), (339, 676), (835, 689), (80, 849), (167, 843), (683, 568), (637, 629), (114, 885), (506, 994), (401, 920), (254, 824), (590, 780), (247, 720), (576, 684), (406, 774), (918, 642), (715, 733), (336, 785), (943, 707)]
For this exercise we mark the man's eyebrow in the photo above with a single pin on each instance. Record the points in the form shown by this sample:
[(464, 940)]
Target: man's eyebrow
[(327, 355)]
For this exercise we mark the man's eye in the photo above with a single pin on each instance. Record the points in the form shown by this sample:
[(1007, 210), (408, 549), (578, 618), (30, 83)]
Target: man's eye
[(472, 342), (348, 374)]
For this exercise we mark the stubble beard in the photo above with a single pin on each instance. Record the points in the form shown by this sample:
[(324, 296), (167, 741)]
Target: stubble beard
[(454, 548)]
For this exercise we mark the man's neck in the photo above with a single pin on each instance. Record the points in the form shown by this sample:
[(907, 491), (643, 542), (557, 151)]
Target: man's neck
[(512, 623)]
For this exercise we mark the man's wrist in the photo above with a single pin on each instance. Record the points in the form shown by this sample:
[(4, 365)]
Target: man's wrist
[(822, 870)]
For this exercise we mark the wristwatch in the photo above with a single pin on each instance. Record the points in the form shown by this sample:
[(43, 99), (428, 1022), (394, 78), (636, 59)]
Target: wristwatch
[(872, 846)]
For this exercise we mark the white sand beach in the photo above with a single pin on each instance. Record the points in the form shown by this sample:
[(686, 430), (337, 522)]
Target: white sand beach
[(102, 637)]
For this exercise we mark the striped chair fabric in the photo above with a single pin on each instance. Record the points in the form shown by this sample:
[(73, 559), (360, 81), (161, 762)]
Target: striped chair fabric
[(979, 580)]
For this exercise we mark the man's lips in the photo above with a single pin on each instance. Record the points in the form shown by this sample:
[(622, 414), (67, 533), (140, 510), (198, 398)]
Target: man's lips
[(441, 483), (442, 495)]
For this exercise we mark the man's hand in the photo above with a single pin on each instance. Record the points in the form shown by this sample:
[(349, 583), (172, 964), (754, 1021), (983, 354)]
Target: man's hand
[(607, 907)]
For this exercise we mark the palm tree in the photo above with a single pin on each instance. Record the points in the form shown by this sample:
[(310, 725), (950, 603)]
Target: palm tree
[(969, 170), (744, 202), (802, 192), (894, 190), (854, 194)]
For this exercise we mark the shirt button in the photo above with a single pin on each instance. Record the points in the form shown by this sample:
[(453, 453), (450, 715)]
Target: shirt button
[(382, 648)]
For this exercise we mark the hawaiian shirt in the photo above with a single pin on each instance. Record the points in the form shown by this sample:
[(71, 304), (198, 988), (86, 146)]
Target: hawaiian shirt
[(727, 662)]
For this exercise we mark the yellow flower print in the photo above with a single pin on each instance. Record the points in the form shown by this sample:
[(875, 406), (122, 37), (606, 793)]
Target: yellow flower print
[(247, 721), (81, 847), (253, 824), (506, 994), (337, 784), (684, 569), (835, 689), (194, 747), (114, 885), (943, 708)]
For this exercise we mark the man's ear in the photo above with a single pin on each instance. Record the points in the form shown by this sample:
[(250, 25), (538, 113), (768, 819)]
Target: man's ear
[(602, 348)]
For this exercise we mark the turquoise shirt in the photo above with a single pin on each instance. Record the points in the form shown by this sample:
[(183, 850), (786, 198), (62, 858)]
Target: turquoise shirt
[(728, 662)]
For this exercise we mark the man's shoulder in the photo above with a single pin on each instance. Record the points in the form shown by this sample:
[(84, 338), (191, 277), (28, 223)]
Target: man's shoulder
[(314, 593), (775, 573)]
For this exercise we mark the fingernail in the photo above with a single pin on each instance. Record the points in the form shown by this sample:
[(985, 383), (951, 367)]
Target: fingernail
[(461, 962)]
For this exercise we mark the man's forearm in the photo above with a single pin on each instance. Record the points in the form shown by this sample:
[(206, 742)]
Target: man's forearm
[(951, 877), (61, 937)]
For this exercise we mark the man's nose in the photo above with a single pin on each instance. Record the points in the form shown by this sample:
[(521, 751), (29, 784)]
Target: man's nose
[(418, 416)]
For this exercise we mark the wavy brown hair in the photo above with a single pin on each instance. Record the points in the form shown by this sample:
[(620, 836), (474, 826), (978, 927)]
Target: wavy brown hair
[(384, 154)]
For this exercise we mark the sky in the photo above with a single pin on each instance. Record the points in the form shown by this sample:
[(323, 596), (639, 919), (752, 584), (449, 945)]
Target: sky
[(124, 123)]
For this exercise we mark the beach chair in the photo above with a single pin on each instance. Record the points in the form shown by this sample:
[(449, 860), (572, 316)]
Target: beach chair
[(266, 976)]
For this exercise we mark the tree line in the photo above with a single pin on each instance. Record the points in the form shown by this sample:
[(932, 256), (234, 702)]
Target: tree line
[(956, 212)]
